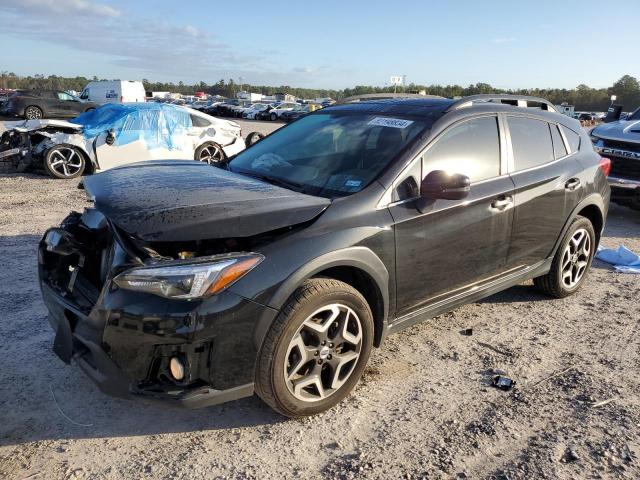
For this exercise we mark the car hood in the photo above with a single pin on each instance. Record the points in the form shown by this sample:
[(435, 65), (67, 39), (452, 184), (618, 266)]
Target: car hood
[(188, 200), (32, 125), (622, 130)]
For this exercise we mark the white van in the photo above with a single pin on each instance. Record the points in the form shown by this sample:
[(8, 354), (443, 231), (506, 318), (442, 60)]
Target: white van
[(114, 91)]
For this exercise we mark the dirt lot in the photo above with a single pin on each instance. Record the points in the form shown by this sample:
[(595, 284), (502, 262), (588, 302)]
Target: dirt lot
[(423, 409)]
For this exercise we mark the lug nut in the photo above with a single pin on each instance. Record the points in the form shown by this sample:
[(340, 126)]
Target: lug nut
[(329, 357), (316, 353), (331, 345), (320, 361), (324, 343)]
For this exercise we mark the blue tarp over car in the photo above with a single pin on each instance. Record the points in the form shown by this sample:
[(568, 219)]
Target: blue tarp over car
[(156, 124)]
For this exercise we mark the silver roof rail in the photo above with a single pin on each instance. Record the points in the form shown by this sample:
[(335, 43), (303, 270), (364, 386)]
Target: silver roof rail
[(505, 99)]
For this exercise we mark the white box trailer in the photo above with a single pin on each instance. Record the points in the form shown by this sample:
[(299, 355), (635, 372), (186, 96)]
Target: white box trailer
[(114, 91), (250, 97)]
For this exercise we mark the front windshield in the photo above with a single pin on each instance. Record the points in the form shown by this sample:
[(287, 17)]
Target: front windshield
[(635, 115), (328, 154)]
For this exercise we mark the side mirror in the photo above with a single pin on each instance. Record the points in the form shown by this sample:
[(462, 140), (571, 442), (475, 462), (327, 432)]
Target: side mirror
[(448, 186), (111, 137)]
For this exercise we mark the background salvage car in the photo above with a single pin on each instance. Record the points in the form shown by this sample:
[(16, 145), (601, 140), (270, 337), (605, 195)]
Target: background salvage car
[(620, 141), (117, 134), (33, 104)]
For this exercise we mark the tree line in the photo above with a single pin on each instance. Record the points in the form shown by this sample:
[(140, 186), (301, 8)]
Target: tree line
[(627, 90)]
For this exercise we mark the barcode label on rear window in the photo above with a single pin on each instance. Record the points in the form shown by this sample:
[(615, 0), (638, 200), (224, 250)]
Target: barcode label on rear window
[(390, 122)]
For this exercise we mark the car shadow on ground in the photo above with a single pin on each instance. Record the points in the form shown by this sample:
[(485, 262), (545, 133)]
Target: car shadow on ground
[(519, 293), (51, 400)]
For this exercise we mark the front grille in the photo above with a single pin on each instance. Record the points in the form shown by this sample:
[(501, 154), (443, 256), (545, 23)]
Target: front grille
[(625, 168), (629, 147)]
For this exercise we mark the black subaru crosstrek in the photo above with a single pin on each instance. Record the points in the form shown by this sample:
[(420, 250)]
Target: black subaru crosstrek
[(277, 273)]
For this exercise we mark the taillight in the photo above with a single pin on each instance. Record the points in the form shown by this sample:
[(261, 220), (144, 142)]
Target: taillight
[(121, 99), (605, 166)]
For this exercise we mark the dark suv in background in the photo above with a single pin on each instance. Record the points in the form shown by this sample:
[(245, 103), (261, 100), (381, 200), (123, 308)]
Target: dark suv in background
[(34, 104), (277, 274)]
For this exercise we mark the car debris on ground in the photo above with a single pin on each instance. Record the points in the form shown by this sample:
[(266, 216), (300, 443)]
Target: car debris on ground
[(622, 259)]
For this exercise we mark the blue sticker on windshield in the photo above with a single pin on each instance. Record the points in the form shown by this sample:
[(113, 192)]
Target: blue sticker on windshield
[(353, 183)]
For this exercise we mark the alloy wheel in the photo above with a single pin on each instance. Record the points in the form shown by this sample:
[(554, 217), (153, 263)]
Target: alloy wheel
[(575, 258), (33, 113), (211, 154), (66, 161), (323, 353)]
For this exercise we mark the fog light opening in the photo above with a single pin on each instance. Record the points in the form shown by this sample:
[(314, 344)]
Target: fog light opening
[(176, 368)]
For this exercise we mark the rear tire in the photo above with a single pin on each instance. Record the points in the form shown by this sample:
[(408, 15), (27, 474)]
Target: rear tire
[(211, 153), (252, 138), (299, 375), (572, 261)]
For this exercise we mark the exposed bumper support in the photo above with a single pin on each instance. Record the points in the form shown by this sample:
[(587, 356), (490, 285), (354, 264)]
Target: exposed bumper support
[(619, 182)]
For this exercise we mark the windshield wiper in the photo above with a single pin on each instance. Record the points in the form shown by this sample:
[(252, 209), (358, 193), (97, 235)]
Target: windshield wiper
[(276, 180)]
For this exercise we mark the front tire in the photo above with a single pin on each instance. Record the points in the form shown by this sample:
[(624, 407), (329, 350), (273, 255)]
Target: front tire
[(316, 349), (64, 161), (32, 112), (572, 261), (274, 117)]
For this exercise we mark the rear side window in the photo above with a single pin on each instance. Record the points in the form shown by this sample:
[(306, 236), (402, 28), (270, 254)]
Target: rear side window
[(573, 139), (198, 121), (471, 148), (531, 142), (559, 150)]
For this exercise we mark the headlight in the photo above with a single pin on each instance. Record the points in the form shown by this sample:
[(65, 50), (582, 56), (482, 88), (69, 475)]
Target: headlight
[(594, 138), (189, 280)]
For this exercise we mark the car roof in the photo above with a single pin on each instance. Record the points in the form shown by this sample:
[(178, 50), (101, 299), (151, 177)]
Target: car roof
[(397, 106), (434, 108)]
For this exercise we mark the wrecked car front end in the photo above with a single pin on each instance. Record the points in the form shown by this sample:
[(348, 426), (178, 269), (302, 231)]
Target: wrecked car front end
[(24, 143), (152, 314), (125, 340)]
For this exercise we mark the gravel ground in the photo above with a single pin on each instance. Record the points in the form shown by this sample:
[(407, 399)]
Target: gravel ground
[(423, 409)]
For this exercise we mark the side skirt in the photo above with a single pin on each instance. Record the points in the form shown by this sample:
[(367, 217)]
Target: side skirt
[(472, 293)]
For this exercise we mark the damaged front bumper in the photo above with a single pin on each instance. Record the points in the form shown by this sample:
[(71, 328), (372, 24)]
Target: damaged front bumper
[(124, 340)]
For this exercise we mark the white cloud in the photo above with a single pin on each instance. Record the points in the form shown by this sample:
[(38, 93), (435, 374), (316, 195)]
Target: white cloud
[(66, 7), (141, 47)]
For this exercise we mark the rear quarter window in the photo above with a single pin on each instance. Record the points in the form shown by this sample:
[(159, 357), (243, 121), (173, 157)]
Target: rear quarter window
[(559, 149), (198, 121), (573, 139), (531, 142)]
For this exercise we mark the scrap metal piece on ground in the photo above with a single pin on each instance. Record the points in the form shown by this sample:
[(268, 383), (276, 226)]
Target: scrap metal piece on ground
[(503, 383)]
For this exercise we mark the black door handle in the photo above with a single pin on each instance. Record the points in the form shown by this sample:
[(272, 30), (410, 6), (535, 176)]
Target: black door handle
[(572, 184)]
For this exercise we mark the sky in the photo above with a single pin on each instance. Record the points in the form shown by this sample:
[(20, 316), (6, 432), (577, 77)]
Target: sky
[(328, 44)]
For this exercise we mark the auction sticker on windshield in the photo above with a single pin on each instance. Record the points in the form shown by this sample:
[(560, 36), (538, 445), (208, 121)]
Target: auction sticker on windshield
[(390, 122)]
